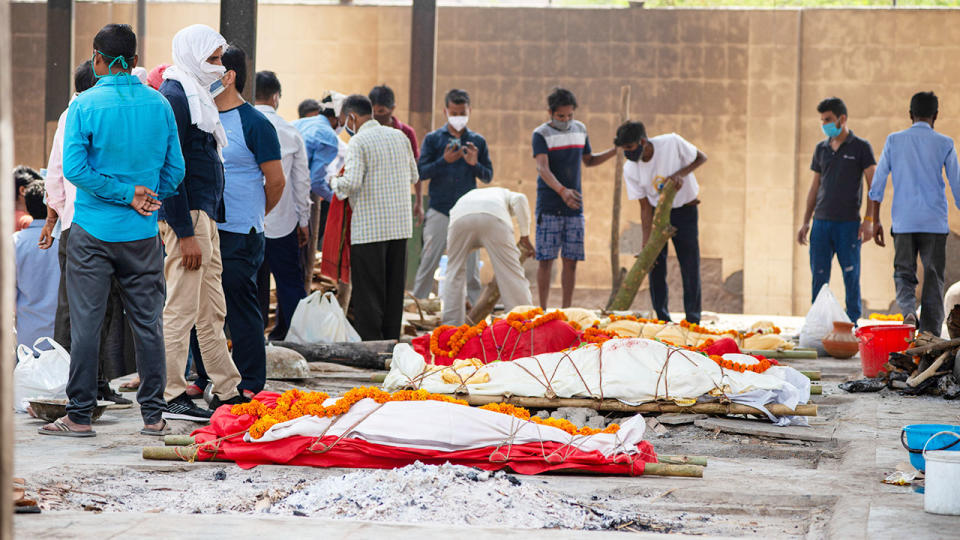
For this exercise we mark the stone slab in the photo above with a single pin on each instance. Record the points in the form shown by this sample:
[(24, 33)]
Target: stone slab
[(748, 427), (676, 419)]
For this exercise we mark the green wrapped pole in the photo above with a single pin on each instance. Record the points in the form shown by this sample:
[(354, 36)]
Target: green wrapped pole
[(660, 232)]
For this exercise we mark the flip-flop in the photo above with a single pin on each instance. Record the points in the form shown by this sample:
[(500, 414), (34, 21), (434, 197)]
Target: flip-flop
[(63, 430), (165, 430)]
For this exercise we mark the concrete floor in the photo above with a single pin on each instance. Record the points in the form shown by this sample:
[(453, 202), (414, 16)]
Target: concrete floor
[(753, 487)]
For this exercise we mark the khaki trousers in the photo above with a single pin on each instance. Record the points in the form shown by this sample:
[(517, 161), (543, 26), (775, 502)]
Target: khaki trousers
[(472, 232), (195, 298)]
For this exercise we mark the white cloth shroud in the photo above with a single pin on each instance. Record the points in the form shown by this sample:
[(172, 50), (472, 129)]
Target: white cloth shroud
[(634, 370), (447, 427)]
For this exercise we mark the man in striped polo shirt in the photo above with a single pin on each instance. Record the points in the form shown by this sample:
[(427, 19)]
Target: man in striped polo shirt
[(559, 147)]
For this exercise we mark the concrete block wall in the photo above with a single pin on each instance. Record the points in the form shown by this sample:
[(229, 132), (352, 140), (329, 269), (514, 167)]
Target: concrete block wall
[(742, 85)]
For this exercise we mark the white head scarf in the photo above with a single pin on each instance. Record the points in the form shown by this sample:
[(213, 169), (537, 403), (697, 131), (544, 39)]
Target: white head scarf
[(335, 102), (191, 48), (140, 73)]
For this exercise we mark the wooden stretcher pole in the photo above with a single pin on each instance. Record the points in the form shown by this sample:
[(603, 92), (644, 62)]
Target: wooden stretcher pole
[(660, 232), (616, 272)]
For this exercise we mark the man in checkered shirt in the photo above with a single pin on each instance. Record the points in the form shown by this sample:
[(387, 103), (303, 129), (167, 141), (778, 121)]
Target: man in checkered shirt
[(377, 175)]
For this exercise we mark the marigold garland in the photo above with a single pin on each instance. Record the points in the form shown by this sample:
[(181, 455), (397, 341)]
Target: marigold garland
[(885, 317), (565, 425), (521, 322), (598, 336), (296, 403), (762, 365)]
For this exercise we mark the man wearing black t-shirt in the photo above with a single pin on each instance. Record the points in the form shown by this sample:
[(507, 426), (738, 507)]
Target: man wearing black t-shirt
[(839, 162)]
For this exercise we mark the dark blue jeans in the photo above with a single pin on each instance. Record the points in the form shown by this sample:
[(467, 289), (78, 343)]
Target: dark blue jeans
[(282, 259), (242, 256), (841, 238), (686, 242)]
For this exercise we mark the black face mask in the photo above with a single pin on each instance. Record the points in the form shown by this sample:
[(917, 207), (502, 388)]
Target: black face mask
[(633, 155)]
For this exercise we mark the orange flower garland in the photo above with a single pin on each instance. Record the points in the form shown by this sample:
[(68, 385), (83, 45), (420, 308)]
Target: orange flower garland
[(565, 425), (614, 318), (598, 336), (759, 367), (295, 403), (521, 322)]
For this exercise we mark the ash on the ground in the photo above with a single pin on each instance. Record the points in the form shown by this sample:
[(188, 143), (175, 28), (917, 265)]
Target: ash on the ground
[(445, 494)]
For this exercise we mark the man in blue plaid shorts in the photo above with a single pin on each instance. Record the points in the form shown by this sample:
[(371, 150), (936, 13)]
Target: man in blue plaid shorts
[(559, 147)]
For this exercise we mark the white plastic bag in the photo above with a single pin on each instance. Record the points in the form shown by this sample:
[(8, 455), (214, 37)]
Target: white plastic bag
[(824, 311), (319, 319), (40, 373)]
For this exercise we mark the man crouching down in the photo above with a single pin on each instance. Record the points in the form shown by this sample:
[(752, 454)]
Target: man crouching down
[(482, 219)]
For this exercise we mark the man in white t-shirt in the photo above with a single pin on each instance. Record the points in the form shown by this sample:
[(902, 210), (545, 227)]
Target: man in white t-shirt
[(649, 165)]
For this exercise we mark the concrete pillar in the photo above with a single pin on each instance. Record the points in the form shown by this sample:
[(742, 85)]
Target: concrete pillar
[(59, 79), (142, 31), (238, 24), (423, 64)]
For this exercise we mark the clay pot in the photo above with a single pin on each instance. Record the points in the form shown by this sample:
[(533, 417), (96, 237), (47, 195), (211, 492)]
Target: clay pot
[(840, 343)]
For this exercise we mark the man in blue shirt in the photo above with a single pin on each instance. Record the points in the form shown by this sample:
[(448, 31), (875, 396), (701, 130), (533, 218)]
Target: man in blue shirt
[(917, 158), (38, 273), (559, 148), (188, 227), (254, 183), (452, 159), (122, 152)]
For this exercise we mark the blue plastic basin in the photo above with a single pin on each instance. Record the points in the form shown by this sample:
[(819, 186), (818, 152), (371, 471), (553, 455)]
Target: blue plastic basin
[(917, 435)]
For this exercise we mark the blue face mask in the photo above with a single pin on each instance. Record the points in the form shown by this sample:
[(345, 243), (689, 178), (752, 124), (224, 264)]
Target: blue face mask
[(831, 130), (350, 132), (115, 59)]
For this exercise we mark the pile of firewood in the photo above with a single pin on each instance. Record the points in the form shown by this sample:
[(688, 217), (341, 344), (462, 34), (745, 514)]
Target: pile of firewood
[(931, 365)]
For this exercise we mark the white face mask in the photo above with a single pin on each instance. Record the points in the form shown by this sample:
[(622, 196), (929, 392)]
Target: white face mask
[(210, 73), (216, 88), (458, 122), (339, 129)]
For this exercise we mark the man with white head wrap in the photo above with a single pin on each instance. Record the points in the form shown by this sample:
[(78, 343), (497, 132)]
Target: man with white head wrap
[(188, 226)]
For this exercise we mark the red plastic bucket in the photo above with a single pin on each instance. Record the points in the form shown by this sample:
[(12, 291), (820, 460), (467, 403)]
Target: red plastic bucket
[(878, 341)]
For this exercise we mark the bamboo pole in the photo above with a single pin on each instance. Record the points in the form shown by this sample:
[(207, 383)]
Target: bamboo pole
[(663, 469), (618, 406), (816, 390), (174, 453), (660, 232), (812, 375), (7, 277), (178, 440), (615, 275), (683, 460)]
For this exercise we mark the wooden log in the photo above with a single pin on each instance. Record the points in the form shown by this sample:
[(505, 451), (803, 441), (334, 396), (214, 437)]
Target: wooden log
[(490, 296), (660, 232), (930, 371), (618, 406), (178, 440), (683, 460), (805, 354), (933, 347), (615, 270), (173, 453), (665, 469), (365, 354)]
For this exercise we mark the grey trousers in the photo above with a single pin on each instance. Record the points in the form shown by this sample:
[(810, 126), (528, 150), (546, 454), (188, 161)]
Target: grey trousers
[(467, 235), (138, 269), (434, 245), (932, 250)]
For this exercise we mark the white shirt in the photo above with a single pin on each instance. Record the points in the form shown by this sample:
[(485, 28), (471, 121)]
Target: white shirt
[(293, 208), (335, 166), (60, 192), (670, 154), (499, 202)]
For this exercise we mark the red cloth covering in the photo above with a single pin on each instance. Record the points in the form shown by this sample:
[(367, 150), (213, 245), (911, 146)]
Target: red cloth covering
[(335, 259), (553, 336), (723, 346), (531, 458)]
